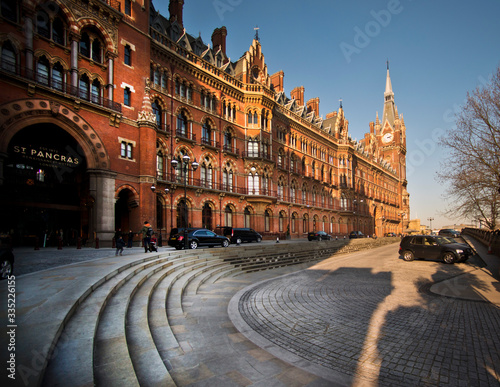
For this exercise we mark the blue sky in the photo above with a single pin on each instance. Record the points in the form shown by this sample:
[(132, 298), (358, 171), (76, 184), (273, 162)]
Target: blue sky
[(438, 51)]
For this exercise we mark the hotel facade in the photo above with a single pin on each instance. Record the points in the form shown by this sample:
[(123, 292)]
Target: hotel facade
[(112, 114)]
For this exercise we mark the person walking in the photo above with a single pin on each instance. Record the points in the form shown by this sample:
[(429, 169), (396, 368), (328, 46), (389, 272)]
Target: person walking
[(120, 244), (130, 239), (147, 232)]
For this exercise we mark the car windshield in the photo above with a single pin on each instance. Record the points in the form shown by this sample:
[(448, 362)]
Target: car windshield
[(444, 240)]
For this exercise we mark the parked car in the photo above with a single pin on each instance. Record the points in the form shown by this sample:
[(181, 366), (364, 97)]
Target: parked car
[(239, 235), (448, 232), (6, 262), (197, 237), (356, 234), (434, 248), (390, 234), (318, 236)]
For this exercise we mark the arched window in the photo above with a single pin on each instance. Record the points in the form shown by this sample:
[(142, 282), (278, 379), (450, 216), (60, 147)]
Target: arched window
[(228, 141), (58, 76), (158, 113), (159, 165), (43, 24), (248, 218), (42, 71), (253, 148), (206, 133), (182, 124), (85, 45), (206, 173), (253, 183), (227, 178), (9, 61), (97, 50), (58, 34), (228, 216), (206, 216), (294, 223), (9, 10), (281, 222), (96, 92), (267, 221), (305, 224)]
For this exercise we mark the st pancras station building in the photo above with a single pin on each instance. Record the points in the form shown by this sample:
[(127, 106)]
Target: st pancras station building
[(112, 114)]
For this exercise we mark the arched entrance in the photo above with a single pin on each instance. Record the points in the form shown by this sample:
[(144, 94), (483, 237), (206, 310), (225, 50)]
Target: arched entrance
[(126, 207), (206, 216), (46, 188), (54, 176)]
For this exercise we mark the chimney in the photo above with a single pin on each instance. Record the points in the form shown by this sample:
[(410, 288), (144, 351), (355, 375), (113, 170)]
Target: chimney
[(298, 95), (277, 81), (219, 39), (175, 9), (313, 106)]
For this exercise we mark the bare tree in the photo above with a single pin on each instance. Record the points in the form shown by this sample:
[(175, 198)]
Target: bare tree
[(472, 166)]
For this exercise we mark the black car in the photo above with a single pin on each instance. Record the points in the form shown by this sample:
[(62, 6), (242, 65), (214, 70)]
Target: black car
[(239, 235), (434, 247), (318, 236), (356, 234), (197, 237), (449, 232), (6, 262)]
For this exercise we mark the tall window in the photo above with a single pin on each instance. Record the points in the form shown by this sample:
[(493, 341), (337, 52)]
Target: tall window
[(267, 221), (9, 10), (247, 218), (57, 76), (253, 148), (127, 96), (84, 87), (228, 216), (58, 33), (158, 113), (182, 124), (128, 56), (128, 7), (42, 73), (8, 56), (227, 178), (85, 45), (206, 216), (206, 173), (228, 141), (96, 91), (159, 165), (281, 221), (91, 47), (43, 24), (206, 133), (253, 183)]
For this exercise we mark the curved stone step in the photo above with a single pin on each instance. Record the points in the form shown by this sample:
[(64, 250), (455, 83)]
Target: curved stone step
[(112, 363), (74, 348), (148, 364)]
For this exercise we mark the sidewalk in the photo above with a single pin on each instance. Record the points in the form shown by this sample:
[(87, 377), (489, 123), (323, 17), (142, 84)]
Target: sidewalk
[(479, 284)]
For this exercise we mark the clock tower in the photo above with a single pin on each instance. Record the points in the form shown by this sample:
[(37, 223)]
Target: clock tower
[(390, 133)]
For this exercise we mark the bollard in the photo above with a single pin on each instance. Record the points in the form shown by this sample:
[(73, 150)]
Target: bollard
[(96, 242), (59, 243), (277, 239), (78, 243), (37, 243)]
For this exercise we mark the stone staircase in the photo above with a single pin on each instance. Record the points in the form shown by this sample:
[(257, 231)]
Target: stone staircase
[(115, 329)]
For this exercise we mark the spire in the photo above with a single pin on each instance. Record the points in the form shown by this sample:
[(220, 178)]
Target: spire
[(389, 113), (257, 33), (146, 115)]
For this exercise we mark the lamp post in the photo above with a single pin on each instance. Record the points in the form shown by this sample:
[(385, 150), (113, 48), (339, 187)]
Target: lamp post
[(430, 219), (184, 163), (153, 188)]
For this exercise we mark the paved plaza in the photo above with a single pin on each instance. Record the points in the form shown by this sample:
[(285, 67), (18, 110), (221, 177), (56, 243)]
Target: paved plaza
[(361, 319)]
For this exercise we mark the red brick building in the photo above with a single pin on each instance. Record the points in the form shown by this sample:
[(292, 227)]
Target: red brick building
[(101, 96)]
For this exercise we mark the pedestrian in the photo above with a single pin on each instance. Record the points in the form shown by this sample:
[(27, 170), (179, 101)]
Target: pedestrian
[(120, 243), (147, 232), (130, 239)]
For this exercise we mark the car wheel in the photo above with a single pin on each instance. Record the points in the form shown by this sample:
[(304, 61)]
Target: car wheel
[(259, 240), (408, 256), (225, 243), (238, 241), (193, 245), (449, 258), (5, 269)]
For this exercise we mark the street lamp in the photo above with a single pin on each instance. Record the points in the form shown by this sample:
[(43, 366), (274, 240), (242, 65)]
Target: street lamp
[(430, 219), (184, 173)]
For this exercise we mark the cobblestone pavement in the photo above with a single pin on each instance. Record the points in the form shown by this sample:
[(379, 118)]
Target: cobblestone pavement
[(370, 319)]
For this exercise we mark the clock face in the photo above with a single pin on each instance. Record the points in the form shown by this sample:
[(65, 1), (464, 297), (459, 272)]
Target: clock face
[(387, 137)]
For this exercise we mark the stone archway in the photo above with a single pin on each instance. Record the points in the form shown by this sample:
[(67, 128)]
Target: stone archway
[(55, 145)]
